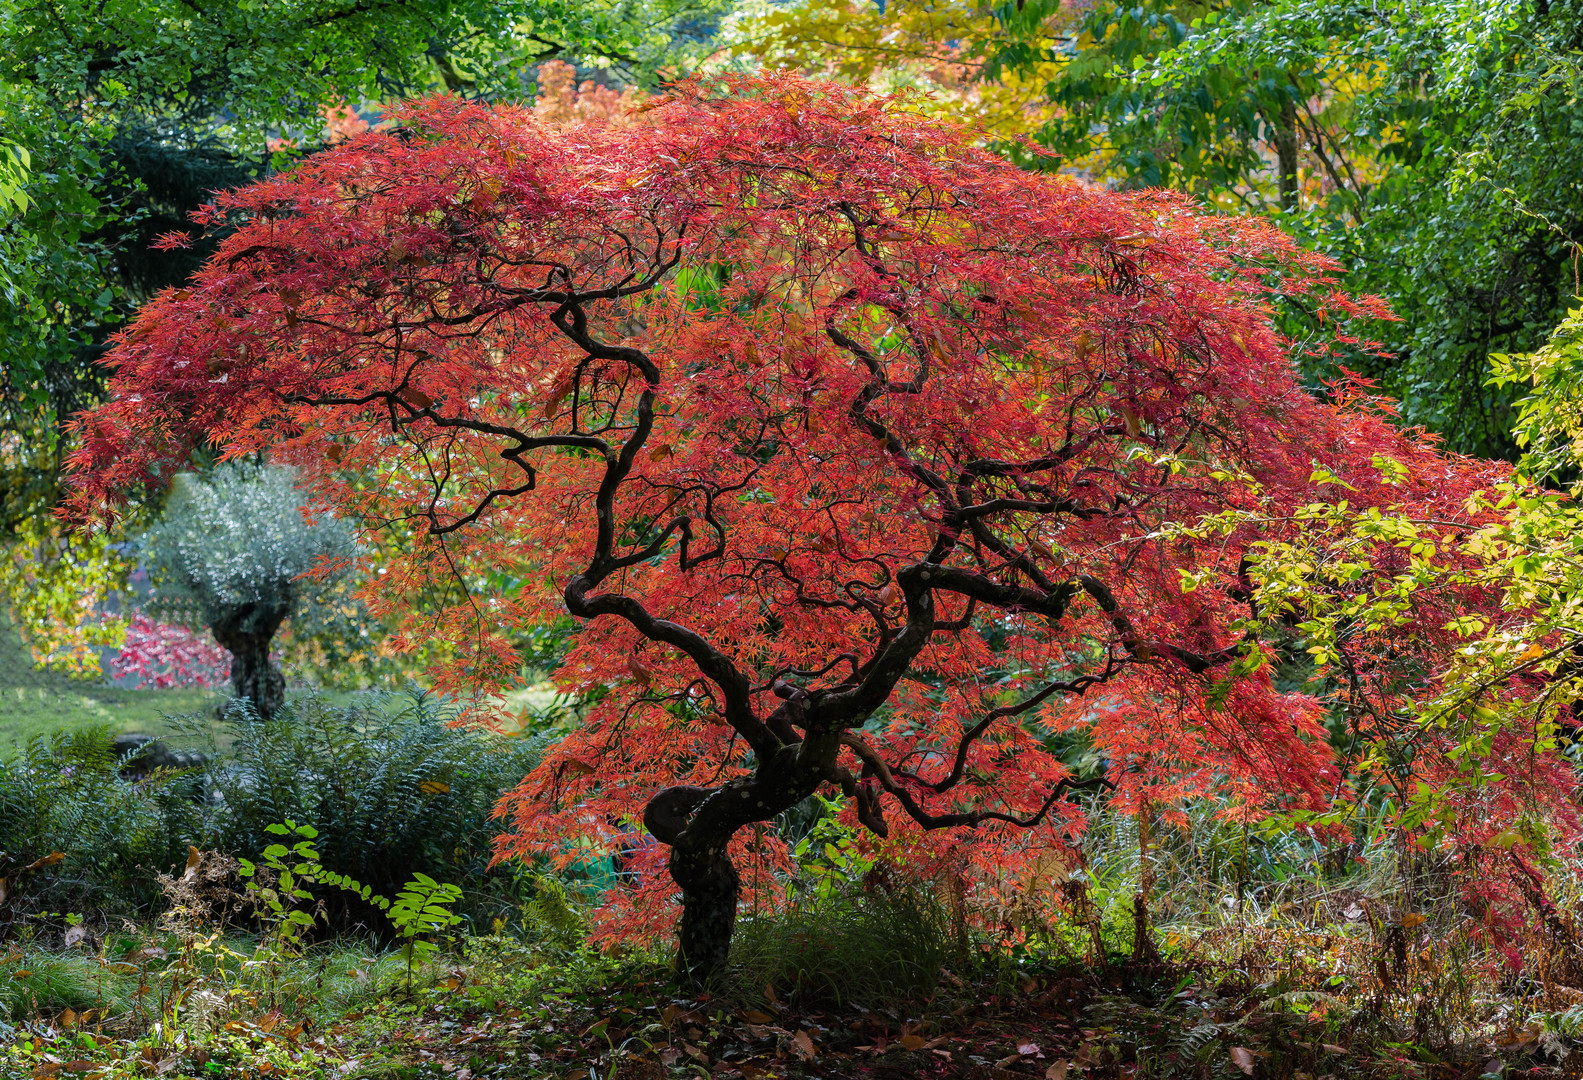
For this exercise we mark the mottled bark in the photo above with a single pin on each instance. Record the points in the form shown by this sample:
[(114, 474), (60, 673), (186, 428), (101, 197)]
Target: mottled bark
[(710, 888)]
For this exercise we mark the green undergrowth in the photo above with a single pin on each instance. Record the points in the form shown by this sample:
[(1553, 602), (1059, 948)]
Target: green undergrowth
[(853, 948), (120, 984), (527, 1005), (390, 787)]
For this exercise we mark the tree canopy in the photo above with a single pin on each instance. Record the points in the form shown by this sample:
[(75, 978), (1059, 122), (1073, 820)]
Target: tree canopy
[(118, 119), (1427, 145), (868, 462)]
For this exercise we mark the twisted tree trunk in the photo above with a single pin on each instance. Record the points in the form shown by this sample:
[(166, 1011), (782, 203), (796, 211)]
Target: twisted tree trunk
[(698, 824), (710, 888), (247, 632)]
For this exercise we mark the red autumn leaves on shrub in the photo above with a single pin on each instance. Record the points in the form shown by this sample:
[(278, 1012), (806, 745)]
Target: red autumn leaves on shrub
[(854, 450)]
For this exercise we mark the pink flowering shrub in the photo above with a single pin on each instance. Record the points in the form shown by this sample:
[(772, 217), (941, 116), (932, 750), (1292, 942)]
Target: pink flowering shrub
[(165, 656)]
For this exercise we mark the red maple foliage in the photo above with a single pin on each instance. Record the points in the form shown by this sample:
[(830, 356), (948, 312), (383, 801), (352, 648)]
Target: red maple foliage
[(167, 655), (853, 448)]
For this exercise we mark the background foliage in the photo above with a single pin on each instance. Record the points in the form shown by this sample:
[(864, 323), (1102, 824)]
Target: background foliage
[(1430, 145), (391, 787)]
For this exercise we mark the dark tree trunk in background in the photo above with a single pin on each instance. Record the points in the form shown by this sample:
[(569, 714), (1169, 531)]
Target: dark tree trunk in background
[(247, 632), (1286, 154)]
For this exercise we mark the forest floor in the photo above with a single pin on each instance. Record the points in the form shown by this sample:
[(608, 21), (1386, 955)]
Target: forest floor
[(509, 1016)]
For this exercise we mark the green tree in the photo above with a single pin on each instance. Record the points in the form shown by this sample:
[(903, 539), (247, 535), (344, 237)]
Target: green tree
[(232, 552), (130, 112), (1432, 145)]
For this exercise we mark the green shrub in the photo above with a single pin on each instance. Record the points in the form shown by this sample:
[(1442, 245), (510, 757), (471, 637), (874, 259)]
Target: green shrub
[(392, 789), (64, 793), (848, 947)]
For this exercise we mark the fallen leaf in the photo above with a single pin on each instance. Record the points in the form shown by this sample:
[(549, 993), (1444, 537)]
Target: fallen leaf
[(912, 1042), (1242, 1058), (1056, 1071), (1028, 1049), (803, 1046), (753, 1016)]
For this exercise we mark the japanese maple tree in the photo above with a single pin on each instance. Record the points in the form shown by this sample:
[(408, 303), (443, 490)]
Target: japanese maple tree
[(855, 451)]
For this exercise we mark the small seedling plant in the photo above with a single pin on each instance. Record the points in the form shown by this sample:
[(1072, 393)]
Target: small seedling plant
[(422, 911)]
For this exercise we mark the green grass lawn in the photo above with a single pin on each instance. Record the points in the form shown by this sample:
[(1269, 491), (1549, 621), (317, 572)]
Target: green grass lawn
[(34, 702)]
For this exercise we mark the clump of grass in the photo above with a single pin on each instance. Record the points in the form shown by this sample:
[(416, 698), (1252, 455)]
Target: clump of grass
[(848, 947), (37, 983)]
